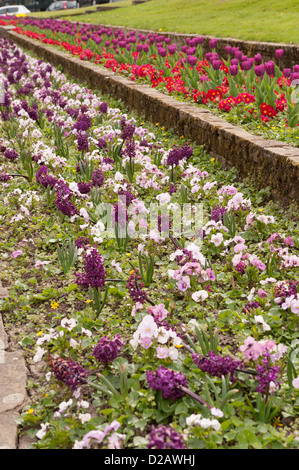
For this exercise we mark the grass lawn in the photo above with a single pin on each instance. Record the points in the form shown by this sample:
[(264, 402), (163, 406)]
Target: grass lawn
[(266, 20)]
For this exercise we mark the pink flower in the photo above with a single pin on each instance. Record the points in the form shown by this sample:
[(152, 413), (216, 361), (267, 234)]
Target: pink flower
[(289, 241), (261, 293), (162, 352), (146, 342), (16, 253), (184, 283)]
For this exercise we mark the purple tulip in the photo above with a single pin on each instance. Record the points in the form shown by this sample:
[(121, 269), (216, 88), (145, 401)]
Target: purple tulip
[(287, 72), (216, 64), (192, 60), (246, 65), (259, 70), (258, 59), (233, 70), (279, 53), (213, 43), (269, 68)]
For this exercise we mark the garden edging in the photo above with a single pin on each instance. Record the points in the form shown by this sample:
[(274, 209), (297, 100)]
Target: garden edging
[(271, 163)]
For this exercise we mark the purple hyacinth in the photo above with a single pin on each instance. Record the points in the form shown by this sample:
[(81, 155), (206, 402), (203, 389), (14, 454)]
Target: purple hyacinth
[(4, 177), (128, 130), (108, 349), (70, 373), (94, 273), (82, 242), (84, 187), (103, 107), (102, 144), (164, 437), (11, 154), (97, 178), (267, 373), (83, 123), (218, 213), (82, 142), (179, 153), (43, 178), (168, 382), (135, 288), (217, 365)]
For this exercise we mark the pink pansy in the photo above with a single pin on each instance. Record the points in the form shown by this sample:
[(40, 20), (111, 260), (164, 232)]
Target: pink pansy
[(261, 293), (162, 352), (184, 283), (211, 275), (16, 253), (159, 310), (295, 383), (295, 306), (146, 342), (289, 241)]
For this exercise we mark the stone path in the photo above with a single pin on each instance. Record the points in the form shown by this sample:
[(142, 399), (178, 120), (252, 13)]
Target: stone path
[(12, 387)]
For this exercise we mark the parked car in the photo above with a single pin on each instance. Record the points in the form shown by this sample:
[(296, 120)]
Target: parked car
[(13, 10), (65, 5)]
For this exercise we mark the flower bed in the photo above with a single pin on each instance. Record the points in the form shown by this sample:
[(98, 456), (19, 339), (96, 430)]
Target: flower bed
[(157, 295), (249, 92)]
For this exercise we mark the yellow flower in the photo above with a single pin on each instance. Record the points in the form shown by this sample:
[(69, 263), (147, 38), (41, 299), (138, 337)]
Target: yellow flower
[(88, 301), (29, 412), (212, 160), (54, 304), (39, 333)]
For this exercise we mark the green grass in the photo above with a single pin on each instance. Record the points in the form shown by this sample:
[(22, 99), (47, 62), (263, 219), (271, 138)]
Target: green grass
[(260, 20)]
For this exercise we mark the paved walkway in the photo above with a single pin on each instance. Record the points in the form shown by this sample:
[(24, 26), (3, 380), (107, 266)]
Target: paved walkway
[(12, 387)]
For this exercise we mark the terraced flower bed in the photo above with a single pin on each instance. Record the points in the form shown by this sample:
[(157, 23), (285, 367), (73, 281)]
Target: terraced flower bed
[(154, 295), (257, 95)]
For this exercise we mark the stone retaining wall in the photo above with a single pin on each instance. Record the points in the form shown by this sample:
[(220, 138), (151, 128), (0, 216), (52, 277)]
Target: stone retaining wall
[(270, 162)]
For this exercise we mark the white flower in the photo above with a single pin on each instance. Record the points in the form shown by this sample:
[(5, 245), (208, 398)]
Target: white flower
[(259, 319), (39, 354), (163, 335), (83, 404), (64, 405), (215, 424), (118, 176), (68, 323), (116, 266), (217, 239), (43, 431), (74, 344), (84, 417), (193, 420), (147, 327), (216, 412), (163, 198), (200, 295)]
